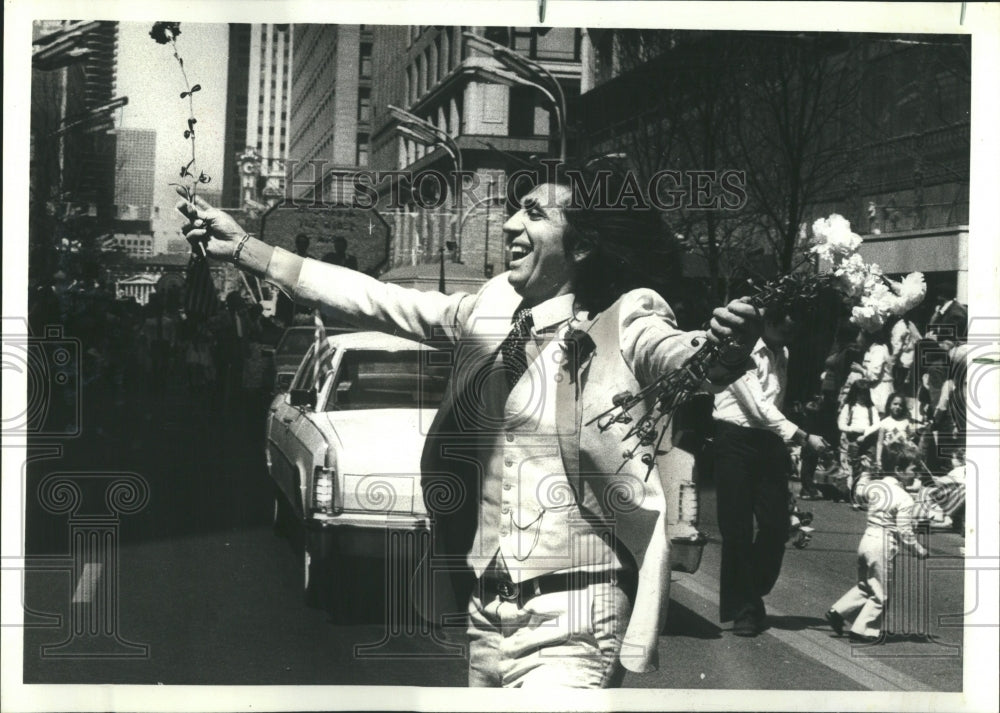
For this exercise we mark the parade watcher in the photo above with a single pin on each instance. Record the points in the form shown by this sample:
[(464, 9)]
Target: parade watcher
[(857, 417), (903, 338), (875, 368), (897, 427)]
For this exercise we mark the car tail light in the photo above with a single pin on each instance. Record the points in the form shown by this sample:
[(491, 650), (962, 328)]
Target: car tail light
[(324, 497)]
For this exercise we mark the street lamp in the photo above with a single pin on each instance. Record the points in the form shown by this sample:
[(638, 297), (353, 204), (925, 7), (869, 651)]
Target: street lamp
[(427, 134), (530, 73)]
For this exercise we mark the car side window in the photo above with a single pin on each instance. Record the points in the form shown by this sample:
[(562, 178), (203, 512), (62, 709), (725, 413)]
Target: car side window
[(303, 377), (307, 376)]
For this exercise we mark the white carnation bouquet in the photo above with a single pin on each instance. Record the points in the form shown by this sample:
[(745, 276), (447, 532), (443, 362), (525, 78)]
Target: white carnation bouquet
[(871, 296)]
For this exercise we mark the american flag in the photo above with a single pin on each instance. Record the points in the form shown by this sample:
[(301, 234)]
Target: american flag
[(200, 298), (322, 348)]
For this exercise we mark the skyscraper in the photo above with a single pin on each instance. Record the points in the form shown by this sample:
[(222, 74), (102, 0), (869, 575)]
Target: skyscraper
[(259, 78), (135, 174), (330, 124)]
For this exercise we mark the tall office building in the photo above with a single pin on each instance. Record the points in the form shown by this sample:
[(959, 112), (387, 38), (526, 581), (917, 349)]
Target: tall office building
[(330, 123), (259, 79), (436, 75), (135, 174), (71, 105)]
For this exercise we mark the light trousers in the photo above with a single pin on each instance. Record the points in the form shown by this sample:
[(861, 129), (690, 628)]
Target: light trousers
[(864, 604), (569, 639)]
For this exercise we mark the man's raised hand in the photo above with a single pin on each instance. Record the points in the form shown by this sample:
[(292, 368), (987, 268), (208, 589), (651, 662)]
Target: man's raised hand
[(739, 321), (217, 232)]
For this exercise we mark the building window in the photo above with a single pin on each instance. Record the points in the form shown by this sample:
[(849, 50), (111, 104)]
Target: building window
[(559, 43), (433, 69), (498, 34), (522, 112), (445, 57), (364, 104), (523, 40), (362, 149), (366, 60)]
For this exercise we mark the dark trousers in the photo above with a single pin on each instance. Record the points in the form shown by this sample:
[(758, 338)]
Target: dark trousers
[(751, 479)]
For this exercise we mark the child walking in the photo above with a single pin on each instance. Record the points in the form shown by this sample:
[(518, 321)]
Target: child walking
[(890, 523)]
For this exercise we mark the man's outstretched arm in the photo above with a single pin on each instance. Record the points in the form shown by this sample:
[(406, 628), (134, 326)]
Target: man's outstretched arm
[(339, 292)]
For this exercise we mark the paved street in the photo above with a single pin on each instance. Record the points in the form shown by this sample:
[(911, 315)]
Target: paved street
[(215, 597)]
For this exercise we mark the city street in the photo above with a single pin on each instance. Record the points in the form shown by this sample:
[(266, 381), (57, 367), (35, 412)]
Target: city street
[(208, 594)]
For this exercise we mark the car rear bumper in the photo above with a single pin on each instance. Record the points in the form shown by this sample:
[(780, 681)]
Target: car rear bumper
[(370, 535)]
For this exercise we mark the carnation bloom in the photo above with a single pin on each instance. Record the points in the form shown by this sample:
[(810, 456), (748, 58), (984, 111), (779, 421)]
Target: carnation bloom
[(838, 241), (866, 317), (852, 275), (164, 32)]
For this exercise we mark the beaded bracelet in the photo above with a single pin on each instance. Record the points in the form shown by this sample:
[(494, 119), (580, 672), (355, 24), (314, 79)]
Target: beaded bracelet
[(239, 248)]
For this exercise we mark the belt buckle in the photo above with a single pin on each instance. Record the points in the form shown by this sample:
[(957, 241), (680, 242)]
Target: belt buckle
[(508, 591)]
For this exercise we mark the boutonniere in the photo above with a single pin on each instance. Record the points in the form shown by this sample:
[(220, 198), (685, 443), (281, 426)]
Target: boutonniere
[(577, 347)]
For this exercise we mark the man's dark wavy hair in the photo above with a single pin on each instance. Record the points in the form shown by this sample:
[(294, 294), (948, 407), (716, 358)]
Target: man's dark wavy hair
[(627, 242)]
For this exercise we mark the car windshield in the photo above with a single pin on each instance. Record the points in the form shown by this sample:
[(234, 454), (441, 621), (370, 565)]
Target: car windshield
[(375, 379), (298, 341)]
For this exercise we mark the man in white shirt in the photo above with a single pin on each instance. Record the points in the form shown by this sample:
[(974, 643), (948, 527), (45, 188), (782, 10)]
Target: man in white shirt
[(565, 544), (751, 468)]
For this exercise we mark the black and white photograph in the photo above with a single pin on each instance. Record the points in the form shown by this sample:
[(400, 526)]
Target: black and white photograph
[(647, 347)]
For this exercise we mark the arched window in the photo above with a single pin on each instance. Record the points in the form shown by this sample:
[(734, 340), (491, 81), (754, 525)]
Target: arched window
[(428, 70), (445, 39), (433, 72), (421, 77), (414, 83), (456, 119)]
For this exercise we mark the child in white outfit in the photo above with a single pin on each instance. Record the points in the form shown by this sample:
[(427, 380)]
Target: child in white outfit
[(890, 522)]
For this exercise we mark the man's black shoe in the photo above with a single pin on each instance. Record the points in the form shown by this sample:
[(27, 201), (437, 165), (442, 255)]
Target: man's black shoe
[(746, 624), (836, 621)]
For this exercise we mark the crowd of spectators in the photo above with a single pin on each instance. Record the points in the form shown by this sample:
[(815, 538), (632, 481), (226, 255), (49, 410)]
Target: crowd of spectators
[(904, 384), (132, 356)]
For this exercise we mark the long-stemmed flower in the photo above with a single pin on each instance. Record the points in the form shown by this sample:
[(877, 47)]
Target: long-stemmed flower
[(199, 290), (166, 33)]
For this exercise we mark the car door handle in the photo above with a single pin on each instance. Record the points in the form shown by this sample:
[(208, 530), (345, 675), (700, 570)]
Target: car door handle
[(287, 419)]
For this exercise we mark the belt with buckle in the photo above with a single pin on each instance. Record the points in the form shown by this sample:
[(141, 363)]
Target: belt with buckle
[(521, 592)]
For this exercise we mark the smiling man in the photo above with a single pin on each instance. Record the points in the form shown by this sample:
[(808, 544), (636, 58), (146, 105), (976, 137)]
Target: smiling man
[(565, 550)]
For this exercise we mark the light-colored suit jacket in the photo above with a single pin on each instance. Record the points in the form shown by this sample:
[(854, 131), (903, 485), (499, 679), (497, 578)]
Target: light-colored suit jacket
[(631, 343)]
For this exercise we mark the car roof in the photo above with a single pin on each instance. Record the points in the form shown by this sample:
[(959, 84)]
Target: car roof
[(373, 340), (330, 330)]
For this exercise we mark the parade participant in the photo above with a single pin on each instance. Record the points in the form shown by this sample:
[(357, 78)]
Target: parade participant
[(752, 468), (552, 524), (890, 523)]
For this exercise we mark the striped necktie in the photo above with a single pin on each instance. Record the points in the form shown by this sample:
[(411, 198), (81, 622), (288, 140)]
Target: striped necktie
[(515, 358)]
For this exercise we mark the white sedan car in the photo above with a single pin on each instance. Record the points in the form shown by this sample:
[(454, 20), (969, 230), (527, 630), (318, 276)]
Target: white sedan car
[(343, 449)]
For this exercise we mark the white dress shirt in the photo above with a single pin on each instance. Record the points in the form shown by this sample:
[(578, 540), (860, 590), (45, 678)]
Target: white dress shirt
[(755, 399)]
